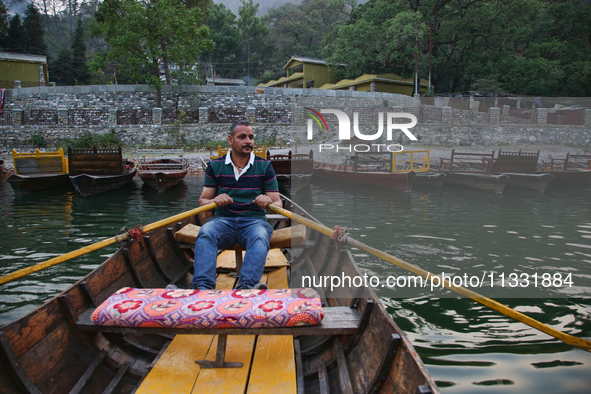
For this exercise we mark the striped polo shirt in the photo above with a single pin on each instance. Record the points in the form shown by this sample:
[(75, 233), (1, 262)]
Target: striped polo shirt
[(258, 179)]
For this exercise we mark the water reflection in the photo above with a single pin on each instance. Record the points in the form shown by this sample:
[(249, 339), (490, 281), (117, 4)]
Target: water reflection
[(466, 347), (37, 227)]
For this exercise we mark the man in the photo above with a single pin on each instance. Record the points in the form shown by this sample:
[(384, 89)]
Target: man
[(242, 185)]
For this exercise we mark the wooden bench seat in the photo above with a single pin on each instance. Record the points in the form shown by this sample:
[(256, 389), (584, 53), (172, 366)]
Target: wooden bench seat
[(283, 238), (176, 371), (337, 321)]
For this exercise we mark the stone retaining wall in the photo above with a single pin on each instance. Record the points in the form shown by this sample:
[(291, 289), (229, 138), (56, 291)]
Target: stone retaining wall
[(202, 113)]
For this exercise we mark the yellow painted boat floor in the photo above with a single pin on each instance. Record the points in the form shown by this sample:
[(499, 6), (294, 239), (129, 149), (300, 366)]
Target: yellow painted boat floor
[(268, 360)]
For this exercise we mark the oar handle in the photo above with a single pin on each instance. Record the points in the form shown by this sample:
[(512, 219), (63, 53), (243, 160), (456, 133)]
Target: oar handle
[(101, 244), (490, 303)]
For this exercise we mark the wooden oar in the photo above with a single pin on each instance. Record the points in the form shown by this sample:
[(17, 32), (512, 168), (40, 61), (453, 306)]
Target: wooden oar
[(497, 306), (101, 244)]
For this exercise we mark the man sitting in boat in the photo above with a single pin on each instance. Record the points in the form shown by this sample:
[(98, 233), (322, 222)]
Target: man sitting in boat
[(242, 185)]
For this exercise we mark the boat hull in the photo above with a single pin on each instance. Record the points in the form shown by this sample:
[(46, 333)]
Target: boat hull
[(162, 180), (575, 179), (90, 185), (162, 173), (293, 183), (345, 174), (538, 182), (293, 171), (494, 183), (429, 179), (32, 183), (47, 353)]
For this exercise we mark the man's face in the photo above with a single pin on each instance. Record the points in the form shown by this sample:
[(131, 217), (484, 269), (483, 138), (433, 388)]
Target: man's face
[(243, 140)]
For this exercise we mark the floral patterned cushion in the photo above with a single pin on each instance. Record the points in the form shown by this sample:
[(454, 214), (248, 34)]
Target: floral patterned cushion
[(131, 307)]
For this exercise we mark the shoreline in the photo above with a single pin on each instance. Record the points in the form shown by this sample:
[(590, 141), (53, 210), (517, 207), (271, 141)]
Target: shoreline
[(196, 159)]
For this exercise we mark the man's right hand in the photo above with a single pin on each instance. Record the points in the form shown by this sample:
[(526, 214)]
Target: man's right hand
[(222, 200)]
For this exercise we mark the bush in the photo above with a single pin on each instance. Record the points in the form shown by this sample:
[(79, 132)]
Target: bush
[(38, 141), (89, 140)]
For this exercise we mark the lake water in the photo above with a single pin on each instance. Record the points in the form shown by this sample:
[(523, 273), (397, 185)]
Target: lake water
[(466, 347)]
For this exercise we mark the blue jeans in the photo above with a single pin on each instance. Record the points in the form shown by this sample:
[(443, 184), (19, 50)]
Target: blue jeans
[(221, 233)]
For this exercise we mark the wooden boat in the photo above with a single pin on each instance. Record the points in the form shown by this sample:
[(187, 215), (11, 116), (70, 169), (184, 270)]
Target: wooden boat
[(521, 168), (161, 168), (95, 171), (39, 171), (429, 179), (372, 169), (294, 171), (418, 161), (472, 170), (260, 152), (574, 171), (54, 350)]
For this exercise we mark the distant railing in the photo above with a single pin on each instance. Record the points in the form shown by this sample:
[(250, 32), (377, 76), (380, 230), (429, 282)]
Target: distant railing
[(566, 117), (172, 115), (84, 117), (260, 152), (417, 161), (481, 163), (134, 116), (161, 160), (226, 115), (371, 162), (6, 119), (365, 117), (273, 115), (40, 117)]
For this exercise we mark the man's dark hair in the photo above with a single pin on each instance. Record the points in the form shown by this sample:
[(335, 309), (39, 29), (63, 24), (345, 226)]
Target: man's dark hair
[(236, 124)]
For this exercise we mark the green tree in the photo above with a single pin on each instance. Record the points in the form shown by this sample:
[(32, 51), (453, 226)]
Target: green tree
[(15, 41), (252, 30), (537, 47), (226, 37), (79, 67), (135, 32), (376, 43), (298, 29), (34, 32), (61, 68), (185, 76), (3, 24)]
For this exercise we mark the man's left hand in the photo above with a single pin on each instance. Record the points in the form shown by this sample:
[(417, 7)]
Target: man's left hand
[(262, 201)]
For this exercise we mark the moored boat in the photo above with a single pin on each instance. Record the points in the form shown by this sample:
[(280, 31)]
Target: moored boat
[(343, 173), (39, 171), (94, 171), (472, 170), (293, 171), (521, 169), (49, 351), (574, 171), (488, 182), (161, 168), (418, 161), (382, 169), (521, 180)]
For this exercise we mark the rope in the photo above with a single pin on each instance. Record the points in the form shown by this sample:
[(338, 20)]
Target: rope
[(340, 234), (123, 232), (137, 232)]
